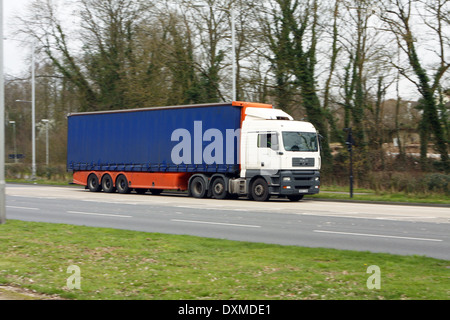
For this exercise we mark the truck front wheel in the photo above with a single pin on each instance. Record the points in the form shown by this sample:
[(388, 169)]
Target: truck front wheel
[(122, 184), (260, 190)]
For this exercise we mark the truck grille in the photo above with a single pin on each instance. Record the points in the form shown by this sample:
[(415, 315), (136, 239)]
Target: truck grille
[(303, 162)]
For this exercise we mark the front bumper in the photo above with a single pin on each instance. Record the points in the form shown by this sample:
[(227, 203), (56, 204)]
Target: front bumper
[(296, 182)]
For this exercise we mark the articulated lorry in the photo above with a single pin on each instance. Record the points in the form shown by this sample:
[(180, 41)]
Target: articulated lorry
[(211, 150)]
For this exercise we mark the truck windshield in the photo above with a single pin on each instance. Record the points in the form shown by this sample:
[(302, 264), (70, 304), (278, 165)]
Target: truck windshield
[(300, 141)]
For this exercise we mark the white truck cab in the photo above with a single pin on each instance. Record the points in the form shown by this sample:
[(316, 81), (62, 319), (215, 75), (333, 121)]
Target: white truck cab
[(279, 156)]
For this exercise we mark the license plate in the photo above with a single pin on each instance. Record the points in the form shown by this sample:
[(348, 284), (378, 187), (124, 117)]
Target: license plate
[(303, 190)]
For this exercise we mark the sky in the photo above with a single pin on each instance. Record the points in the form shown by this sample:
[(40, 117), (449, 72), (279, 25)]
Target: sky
[(14, 51)]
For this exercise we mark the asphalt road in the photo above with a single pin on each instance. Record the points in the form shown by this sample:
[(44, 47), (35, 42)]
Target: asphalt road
[(397, 229)]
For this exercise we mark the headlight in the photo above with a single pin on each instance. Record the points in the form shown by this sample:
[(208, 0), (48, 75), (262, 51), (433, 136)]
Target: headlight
[(317, 179), (286, 178)]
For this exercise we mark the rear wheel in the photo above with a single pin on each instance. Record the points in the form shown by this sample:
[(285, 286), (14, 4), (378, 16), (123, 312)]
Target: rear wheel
[(260, 190), (108, 184), (93, 184), (219, 188), (198, 187), (122, 184)]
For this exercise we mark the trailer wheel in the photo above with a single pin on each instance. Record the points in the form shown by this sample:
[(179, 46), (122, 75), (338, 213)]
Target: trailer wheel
[(219, 188), (198, 187), (260, 190), (93, 184), (122, 184), (108, 184)]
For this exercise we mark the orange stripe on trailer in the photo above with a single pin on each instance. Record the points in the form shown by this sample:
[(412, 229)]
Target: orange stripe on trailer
[(140, 180), (80, 177)]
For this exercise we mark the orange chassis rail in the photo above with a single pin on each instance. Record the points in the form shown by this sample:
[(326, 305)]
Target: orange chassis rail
[(140, 180)]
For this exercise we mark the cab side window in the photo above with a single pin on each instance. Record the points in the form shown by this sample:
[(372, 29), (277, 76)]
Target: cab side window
[(268, 140)]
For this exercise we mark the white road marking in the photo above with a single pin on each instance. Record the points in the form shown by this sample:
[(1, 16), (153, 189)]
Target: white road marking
[(99, 214), (23, 208), (377, 235), (204, 207), (217, 223), (368, 216)]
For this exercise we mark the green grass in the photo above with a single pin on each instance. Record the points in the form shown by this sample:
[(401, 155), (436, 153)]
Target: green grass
[(40, 181), (119, 264), (343, 193)]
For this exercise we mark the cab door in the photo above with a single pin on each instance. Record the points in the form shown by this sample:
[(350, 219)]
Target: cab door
[(268, 148)]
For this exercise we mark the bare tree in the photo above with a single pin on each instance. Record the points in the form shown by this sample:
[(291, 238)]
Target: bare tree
[(401, 18), (291, 31), (105, 34)]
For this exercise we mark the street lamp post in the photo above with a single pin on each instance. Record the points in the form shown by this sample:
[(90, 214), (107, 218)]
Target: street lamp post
[(350, 143), (33, 130), (33, 109), (14, 140), (46, 121), (2, 126), (233, 43)]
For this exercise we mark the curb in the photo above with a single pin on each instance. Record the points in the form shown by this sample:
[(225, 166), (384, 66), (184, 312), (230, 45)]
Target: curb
[(419, 204)]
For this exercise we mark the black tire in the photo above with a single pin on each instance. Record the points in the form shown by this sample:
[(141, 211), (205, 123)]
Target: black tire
[(260, 190), (122, 184), (219, 188), (295, 197), (197, 187), (108, 184), (93, 184), (156, 191)]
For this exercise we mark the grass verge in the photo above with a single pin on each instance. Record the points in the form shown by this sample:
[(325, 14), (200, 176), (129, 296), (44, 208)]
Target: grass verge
[(120, 264), (342, 193)]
